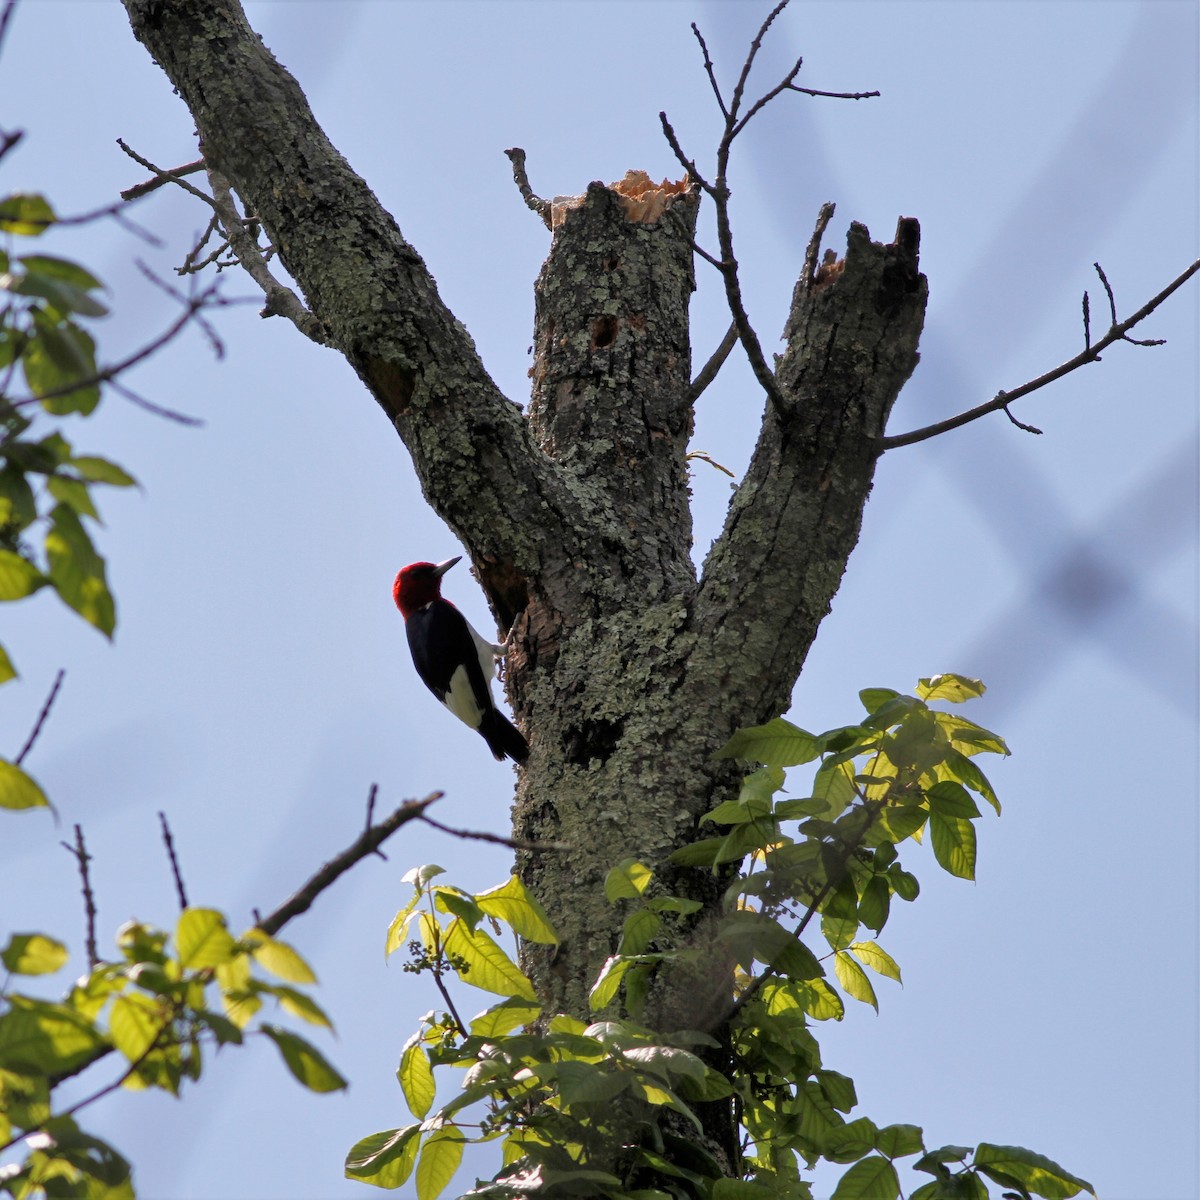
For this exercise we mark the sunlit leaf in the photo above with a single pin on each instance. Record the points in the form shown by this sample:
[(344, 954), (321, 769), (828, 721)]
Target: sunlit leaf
[(439, 1160), (301, 1005), (878, 959), (18, 790), (955, 688), (872, 1178), (485, 965), (1039, 1174), (778, 743), (518, 908), (26, 214), (74, 493), (854, 979), (33, 954), (897, 1141), (416, 1078), (385, 1159), (48, 1038), (95, 469), (77, 571), (18, 576), (305, 1062), (953, 841), (202, 939), (134, 1024), (279, 958)]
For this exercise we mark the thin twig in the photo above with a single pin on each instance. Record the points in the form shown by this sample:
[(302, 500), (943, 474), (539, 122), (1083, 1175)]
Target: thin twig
[(161, 179), (167, 176), (709, 371), (1087, 322), (158, 410), (35, 732), (367, 842), (871, 95), (281, 300), (543, 208), (176, 874), (1089, 354), (688, 165), (709, 71), (494, 838), (5, 17), (82, 857)]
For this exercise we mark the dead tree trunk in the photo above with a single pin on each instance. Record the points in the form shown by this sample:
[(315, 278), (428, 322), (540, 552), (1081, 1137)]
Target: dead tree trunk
[(629, 668)]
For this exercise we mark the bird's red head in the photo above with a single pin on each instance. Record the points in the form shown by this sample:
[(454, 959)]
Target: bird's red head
[(419, 583)]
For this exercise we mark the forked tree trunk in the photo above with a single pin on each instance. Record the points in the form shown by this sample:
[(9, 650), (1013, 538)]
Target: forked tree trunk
[(628, 668)]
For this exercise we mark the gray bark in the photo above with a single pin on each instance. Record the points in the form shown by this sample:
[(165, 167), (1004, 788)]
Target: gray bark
[(628, 668)]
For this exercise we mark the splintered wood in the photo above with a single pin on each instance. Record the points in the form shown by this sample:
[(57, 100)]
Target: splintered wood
[(644, 200)]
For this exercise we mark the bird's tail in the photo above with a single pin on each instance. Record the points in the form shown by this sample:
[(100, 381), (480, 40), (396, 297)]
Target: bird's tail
[(504, 739)]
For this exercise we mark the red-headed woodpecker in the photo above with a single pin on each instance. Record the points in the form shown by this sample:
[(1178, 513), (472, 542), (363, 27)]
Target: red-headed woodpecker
[(454, 662)]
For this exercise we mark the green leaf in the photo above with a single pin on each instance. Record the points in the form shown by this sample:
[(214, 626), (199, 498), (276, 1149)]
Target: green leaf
[(779, 743), (94, 469), (46, 1038), (503, 1018), (63, 296), (486, 965), (834, 783), (74, 493), (304, 1061), (627, 880), (385, 1159), (873, 1178), (518, 908), (456, 903), (955, 688), (279, 958), (18, 509), (416, 1078), (820, 1001), (878, 959), (60, 268), (954, 844), (202, 939), (135, 1024), (25, 213), (301, 1005), (851, 1141), (904, 884), (18, 576), (838, 1089), (875, 902), (33, 954), (1039, 1174), (640, 929), (854, 979), (77, 571), (18, 790), (874, 699), (897, 1141), (965, 771), (440, 1157), (59, 364), (608, 981), (740, 1189), (950, 799)]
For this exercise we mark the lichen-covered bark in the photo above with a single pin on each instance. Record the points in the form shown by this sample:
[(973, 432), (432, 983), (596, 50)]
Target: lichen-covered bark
[(626, 671)]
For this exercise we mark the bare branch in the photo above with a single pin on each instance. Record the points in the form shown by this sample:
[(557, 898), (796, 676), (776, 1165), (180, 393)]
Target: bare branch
[(688, 165), (709, 371), (708, 70), (516, 156), (1091, 353), (281, 300), (367, 843), (159, 180), (175, 177), (157, 410), (176, 874), (494, 838), (35, 732), (82, 857), (755, 46), (1087, 322), (833, 95)]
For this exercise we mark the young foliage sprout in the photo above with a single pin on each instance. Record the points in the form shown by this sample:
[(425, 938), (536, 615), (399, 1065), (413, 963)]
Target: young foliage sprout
[(609, 1108)]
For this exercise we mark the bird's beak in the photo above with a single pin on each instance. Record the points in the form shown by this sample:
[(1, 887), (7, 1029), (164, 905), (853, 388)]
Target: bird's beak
[(443, 567)]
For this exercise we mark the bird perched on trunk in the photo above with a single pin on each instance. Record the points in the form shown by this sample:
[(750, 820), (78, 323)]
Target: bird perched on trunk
[(453, 661)]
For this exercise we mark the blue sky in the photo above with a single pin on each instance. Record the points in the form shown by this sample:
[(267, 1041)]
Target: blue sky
[(259, 681)]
